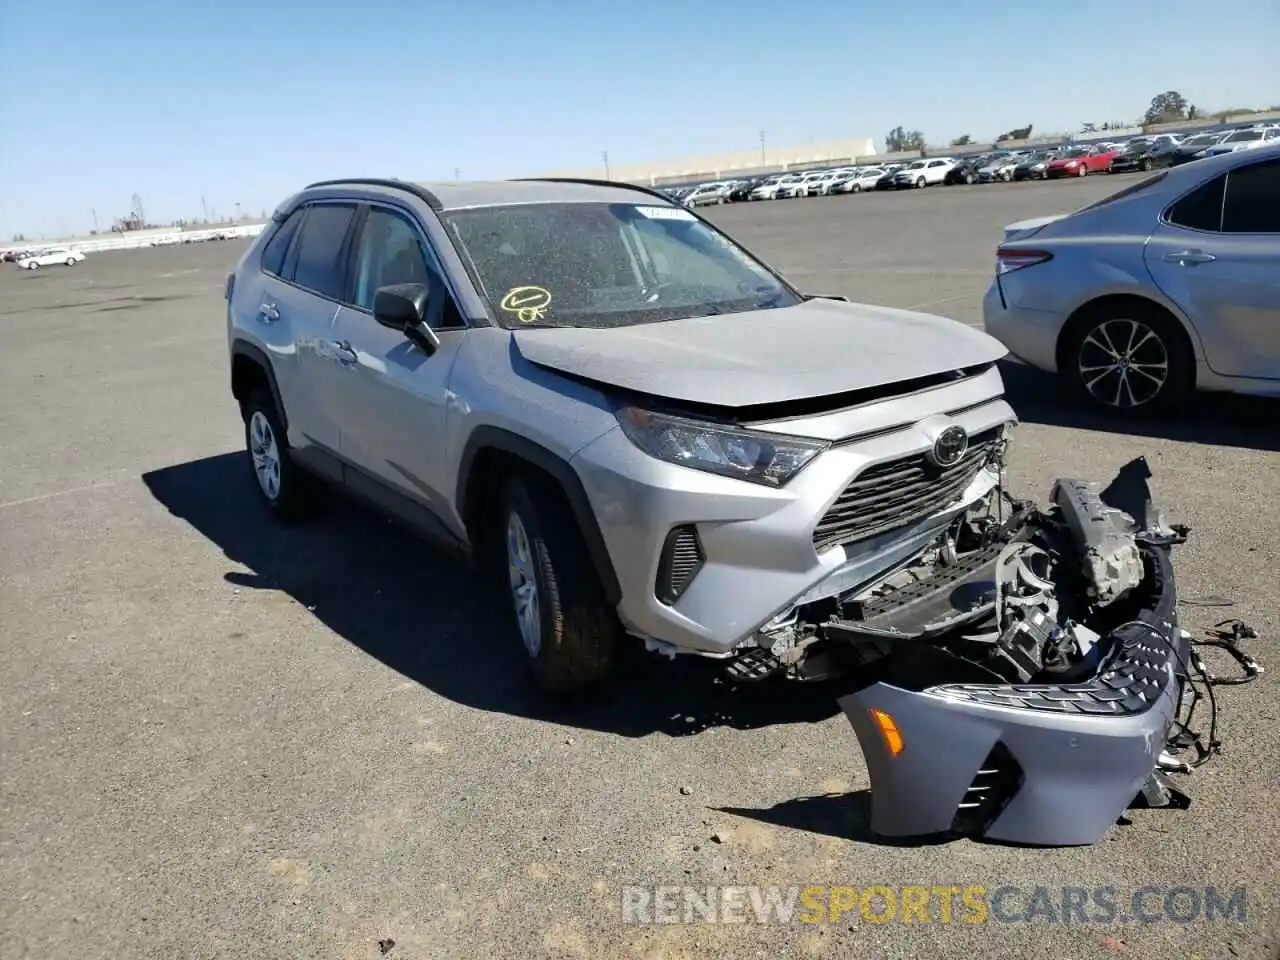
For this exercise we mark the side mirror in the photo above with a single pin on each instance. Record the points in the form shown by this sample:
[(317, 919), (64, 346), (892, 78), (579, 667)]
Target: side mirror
[(403, 307)]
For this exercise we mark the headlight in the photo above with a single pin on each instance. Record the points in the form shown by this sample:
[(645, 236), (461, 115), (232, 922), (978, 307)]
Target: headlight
[(717, 448)]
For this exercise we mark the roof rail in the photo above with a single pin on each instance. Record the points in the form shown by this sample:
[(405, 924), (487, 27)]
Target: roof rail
[(599, 183), (419, 191)]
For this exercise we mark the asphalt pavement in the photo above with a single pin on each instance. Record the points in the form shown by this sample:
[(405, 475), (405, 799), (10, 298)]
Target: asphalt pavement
[(221, 738)]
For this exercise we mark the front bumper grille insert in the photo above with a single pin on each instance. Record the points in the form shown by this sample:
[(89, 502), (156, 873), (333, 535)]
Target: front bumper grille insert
[(886, 496)]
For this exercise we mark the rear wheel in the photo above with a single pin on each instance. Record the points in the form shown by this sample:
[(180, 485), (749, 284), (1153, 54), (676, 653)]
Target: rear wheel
[(1129, 358), (569, 631)]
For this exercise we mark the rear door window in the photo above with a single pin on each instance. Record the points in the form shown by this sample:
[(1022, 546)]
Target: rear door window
[(320, 262), (1252, 203)]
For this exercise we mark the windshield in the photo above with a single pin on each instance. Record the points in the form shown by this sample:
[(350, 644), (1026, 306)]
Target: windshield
[(607, 265), (1244, 135), (1077, 152)]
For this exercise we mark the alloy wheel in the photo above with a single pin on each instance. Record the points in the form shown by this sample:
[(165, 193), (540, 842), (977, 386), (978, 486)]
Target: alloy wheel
[(266, 455), (524, 584), (1123, 363)]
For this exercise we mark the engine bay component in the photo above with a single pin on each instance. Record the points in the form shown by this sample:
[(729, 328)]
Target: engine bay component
[(1110, 561), (1032, 667)]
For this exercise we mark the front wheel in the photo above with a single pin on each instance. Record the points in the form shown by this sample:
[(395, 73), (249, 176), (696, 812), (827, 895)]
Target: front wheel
[(33, 266), (1130, 359), (856, 188), (569, 632), (920, 184), (71, 261), (968, 179), (1082, 170)]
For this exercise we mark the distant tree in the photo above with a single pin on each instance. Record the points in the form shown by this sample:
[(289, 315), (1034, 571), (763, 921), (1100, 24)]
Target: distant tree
[(1167, 107), (1090, 127), (1193, 112), (19, 238), (900, 140), (962, 141)]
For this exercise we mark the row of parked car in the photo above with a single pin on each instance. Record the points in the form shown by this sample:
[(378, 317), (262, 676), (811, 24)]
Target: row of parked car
[(1143, 153)]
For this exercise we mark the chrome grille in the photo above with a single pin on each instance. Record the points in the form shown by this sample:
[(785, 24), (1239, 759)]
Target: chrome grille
[(896, 493)]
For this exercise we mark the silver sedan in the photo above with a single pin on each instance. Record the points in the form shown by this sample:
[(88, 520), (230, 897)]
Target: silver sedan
[(1169, 285)]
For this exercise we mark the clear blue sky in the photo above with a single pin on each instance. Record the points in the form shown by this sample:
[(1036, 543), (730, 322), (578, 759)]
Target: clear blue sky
[(245, 101)]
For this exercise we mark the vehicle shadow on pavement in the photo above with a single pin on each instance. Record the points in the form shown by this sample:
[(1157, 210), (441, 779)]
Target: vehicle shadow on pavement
[(426, 614), (1213, 418), (845, 816)]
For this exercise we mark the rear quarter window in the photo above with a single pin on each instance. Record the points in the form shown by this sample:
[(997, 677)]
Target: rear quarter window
[(1201, 209), (278, 246)]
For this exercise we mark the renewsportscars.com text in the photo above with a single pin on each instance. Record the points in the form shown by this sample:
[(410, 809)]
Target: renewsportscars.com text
[(971, 904)]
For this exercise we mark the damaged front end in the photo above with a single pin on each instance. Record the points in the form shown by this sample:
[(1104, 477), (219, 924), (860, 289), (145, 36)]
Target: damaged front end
[(1020, 681)]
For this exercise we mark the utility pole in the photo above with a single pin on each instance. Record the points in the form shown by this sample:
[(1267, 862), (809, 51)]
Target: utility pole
[(204, 208), (762, 159), (605, 156), (457, 174), (237, 211), (95, 220)]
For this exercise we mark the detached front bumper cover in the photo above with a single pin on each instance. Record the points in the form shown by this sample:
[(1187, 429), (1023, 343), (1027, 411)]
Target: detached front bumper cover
[(1051, 764)]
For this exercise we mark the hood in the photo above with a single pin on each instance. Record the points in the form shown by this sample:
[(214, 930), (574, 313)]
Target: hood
[(815, 349)]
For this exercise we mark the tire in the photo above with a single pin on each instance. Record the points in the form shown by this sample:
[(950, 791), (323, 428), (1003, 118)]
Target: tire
[(569, 632), (294, 494), (71, 262), (1144, 165), (33, 266), (1082, 170), (856, 188), (1155, 343), (920, 184), (1006, 176), (968, 179)]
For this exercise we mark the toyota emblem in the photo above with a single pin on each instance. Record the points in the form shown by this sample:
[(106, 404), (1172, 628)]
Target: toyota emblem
[(949, 446)]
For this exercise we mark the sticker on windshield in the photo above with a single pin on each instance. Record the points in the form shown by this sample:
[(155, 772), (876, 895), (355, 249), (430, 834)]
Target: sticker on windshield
[(665, 213), (529, 304)]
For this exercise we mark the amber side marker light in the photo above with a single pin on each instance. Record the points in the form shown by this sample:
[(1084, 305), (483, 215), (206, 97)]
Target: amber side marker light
[(888, 730)]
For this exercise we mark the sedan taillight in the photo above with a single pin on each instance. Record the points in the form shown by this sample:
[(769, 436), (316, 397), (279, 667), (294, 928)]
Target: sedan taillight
[(1010, 259)]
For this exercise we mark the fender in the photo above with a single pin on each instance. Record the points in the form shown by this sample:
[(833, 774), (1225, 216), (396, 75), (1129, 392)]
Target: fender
[(487, 437), (243, 348)]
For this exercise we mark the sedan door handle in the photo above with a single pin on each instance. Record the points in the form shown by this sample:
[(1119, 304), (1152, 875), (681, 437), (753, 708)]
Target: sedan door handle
[(1189, 258), (345, 353), (268, 313)]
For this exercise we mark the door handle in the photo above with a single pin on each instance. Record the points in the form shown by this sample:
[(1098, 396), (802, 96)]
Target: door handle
[(268, 313), (1189, 258), (345, 353)]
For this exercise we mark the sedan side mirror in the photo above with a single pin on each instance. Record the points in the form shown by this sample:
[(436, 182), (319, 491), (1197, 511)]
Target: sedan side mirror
[(403, 307)]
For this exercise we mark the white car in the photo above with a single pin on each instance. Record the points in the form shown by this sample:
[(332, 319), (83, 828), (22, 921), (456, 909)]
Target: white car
[(863, 178), (810, 184), (767, 190), (923, 173), (1241, 140), (825, 185), (49, 258), (792, 185)]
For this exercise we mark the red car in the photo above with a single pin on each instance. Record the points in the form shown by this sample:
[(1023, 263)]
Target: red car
[(1081, 161)]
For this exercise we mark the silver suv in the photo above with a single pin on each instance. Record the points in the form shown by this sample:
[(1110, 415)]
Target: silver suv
[(630, 421)]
